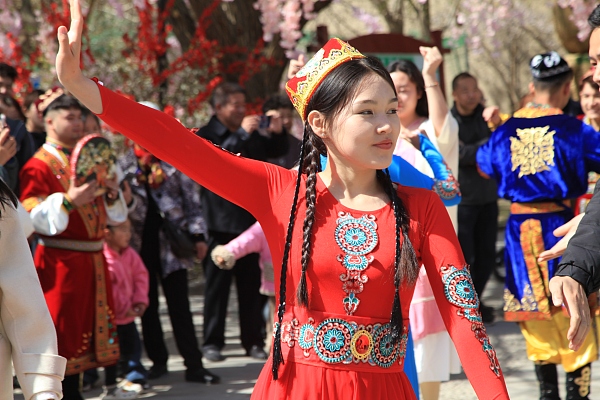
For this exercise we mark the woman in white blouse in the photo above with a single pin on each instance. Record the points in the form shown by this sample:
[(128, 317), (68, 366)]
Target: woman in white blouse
[(27, 335)]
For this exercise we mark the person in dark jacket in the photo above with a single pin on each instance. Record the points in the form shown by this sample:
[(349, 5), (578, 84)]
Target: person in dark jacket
[(478, 210), (578, 274), (231, 129)]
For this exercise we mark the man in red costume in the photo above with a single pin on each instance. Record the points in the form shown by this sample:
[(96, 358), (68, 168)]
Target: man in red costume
[(70, 222)]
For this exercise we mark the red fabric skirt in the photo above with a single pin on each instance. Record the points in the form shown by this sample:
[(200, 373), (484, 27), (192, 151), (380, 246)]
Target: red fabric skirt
[(307, 382)]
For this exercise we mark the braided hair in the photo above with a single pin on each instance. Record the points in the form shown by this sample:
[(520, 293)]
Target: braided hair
[(334, 93)]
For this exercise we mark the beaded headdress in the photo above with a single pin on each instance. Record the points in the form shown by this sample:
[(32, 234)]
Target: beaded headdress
[(302, 86)]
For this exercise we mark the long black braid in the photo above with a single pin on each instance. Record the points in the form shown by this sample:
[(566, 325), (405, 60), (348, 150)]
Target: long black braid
[(311, 167), (277, 355), (406, 266)]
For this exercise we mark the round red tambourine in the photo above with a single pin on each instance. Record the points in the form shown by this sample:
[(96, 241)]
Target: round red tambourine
[(93, 159)]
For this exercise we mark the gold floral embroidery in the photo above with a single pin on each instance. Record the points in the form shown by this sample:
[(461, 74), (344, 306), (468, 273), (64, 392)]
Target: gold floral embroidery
[(532, 151), (584, 381), (532, 244), (527, 303)]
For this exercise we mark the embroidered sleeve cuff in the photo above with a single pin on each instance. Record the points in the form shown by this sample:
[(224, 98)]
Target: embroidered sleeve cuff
[(67, 204)]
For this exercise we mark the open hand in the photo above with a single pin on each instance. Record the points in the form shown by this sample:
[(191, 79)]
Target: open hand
[(68, 61), (566, 231), (566, 290), (68, 57)]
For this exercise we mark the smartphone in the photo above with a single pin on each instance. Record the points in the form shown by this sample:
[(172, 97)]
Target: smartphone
[(265, 121)]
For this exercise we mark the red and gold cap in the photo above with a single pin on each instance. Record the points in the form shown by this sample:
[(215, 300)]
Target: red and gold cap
[(47, 98), (302, 86)]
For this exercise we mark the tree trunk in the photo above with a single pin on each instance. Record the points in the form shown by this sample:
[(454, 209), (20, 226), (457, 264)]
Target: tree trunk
[(567, 31)]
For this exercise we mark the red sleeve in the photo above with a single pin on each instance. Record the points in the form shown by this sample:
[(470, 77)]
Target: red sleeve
[(248, 183), (34, 183), (458, 303)]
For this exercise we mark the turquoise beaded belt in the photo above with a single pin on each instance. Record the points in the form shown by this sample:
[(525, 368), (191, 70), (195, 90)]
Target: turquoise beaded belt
[(342, 341)]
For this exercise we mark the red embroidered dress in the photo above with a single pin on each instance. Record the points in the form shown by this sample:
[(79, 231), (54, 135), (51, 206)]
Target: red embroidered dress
[(340, 347)]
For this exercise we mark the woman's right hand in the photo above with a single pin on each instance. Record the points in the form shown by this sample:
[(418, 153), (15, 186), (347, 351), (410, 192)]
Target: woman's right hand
[(68, 60), (69, 50)]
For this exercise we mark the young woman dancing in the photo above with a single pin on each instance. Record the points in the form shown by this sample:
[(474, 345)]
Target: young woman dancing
[(346, 270)]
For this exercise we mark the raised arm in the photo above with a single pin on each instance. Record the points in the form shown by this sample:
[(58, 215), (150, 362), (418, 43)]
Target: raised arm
[(219, 171), (438, 109), (458, 303)]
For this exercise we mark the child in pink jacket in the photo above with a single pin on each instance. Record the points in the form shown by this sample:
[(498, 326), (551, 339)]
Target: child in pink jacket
[(129, 278), (252, 240)]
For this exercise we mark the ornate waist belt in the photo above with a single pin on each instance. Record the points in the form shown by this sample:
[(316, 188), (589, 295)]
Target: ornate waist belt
[(74, 245), (341, 341), (539, 207)]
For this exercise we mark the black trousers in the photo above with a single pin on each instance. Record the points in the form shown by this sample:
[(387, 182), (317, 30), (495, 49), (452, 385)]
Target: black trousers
[(72, 387), (130, 347), (175, 289), (477, 231), (216, 297)]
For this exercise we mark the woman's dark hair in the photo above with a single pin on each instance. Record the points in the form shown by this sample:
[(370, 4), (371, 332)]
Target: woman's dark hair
[(335, 92), (7, 196), (415, 76)]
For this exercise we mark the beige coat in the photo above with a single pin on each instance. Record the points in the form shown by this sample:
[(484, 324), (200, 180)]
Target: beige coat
[(27, 335)]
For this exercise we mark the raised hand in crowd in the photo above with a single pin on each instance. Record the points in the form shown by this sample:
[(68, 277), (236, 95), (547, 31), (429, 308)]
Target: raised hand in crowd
[(295, 66), (432, 59), (438, 108), (68, 58), (8, 146), (492, 114)]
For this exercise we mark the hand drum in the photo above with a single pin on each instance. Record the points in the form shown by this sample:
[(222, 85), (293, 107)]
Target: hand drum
[(93, 159)]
